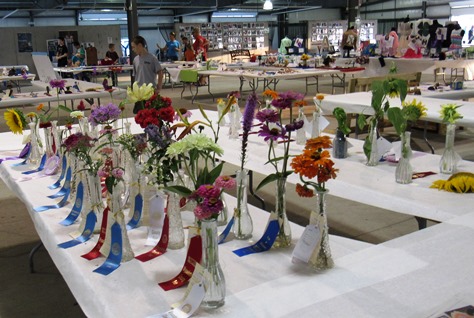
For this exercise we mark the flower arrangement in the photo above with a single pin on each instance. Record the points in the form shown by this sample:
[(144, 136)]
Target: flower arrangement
[(15, 120), (82, 146), (314, 162), (157, 111), (208, 198), (134, 144), (138, 93), (461, 182), (449, 113), (112, 174), (104, 115)]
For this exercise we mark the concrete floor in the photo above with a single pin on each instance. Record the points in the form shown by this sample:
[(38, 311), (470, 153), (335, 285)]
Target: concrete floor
[(45, 294)]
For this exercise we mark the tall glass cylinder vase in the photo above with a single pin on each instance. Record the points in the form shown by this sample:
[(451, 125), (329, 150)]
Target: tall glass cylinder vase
[(321, 257), (222, 218), (56, 137), (234, 126), (36, 150), (176, 230), (339, 145), (283, 238), (243, 225), (315, 128), (450, 158), (84, 125), (373, 158), (117, 211), (48, 140), (220, 111), (215, 281), (301, 133), (404, 171)]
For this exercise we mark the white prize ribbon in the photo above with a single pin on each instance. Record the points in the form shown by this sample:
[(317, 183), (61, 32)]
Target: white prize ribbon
[(156, 206), (306, 244)]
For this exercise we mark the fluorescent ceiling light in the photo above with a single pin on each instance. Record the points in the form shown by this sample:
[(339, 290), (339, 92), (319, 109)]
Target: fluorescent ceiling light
[(268, 5)]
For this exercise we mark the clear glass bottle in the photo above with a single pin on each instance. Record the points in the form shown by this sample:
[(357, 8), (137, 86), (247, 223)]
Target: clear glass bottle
[(243, 225), (339, 145), (300, 133), (373, 158), (404, 171), (450, 158), (283, 238)]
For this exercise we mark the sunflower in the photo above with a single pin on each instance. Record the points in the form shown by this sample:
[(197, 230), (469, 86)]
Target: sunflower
[(461, 182), (15, 120)]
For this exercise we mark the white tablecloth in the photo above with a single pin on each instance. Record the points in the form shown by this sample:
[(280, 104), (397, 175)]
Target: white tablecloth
[(359, 103), (403, 66)]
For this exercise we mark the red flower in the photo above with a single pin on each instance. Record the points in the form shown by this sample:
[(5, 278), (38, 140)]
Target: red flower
[(147, 117), (166, 114)]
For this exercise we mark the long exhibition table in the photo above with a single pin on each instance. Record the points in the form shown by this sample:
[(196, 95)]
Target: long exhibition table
[(359, 103), (88, 90), (412, 276), (132, 290)]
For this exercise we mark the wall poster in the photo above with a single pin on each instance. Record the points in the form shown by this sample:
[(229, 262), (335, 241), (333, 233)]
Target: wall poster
[(25, 43)]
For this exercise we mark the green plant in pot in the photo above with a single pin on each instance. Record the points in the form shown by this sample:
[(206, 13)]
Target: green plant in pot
[(339, 148)]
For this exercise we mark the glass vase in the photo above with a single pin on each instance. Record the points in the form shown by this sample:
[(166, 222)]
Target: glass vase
[(283, 238), (222, 218), (176, 230), (300, 133), (243, 225), (215, 281), (339, 145), (315, 129), (372, 157), (220, 111), (404, 171), (36, 150), (450, 158), (48, 141), (84, 125), (234, 118), (56, 137), (321, 258)]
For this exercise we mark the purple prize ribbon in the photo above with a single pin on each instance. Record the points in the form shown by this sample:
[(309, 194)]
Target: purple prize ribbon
[(265, 242), (25, 152), (51, 166), (91, 220), (61, 177), (222, 237), (40, 168), (77, 208), (137, 214), (115, 255)]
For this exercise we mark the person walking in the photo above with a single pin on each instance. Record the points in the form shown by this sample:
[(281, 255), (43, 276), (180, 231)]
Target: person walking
[(146, 68), (171, 48)]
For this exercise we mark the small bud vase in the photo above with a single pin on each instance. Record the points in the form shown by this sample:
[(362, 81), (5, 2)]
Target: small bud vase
[(450, 158), (321, 258), (339, 145), (215, 281), (243, 225), (372, 153), (283, 238), (404, 171)]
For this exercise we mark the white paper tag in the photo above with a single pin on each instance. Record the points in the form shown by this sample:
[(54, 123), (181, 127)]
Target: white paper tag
[(306, 244), (383, 145), (157, 206), (397, 149), (308, 126)]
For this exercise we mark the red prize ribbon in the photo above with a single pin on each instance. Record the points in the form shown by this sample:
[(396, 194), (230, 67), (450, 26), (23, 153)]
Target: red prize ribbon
[(95, 252), (193, 256), (162, 245)]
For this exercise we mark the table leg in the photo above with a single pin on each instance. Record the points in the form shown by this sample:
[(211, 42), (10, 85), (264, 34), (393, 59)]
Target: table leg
[(421, 222), (32, 254), (425, 137)]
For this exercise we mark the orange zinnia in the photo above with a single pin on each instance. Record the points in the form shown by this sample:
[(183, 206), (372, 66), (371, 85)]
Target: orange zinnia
[(304, 191), (321, 142), (300, 103), (270, 93), (40, 107), (303, 166), (319, 97)]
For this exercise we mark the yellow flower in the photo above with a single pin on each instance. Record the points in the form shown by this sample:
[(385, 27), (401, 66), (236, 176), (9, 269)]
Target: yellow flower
[(449, 113), (139, 93), (31, 115), (15, 120), (320, 97), (461, 182), (220, 101), (413, 110)]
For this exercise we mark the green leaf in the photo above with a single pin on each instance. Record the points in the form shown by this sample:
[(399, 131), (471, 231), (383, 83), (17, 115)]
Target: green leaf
[(109, 183), (386, 106), (65, 108), (202, 177), (275, 159), (403, 89), (341, 118), (215, 173), (203, 113), (395, 116), (378, 94), (367, 147), (270, 178), (361, 121), (183, 191)]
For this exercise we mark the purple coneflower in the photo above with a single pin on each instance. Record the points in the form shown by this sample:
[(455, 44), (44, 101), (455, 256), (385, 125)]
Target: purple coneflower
[(267, 115), (297, 124), (275, 133)]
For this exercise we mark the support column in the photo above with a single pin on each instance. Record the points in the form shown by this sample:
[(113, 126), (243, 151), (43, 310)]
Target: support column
[(132, 26), (352, 11)]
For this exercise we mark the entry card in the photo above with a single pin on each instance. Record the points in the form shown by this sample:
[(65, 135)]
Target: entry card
[(306, 244), (383, 145)]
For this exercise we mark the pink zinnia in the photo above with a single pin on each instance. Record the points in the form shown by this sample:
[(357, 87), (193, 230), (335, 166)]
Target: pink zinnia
[(117, 173), (207, 191), (225, 182), (202, 214)]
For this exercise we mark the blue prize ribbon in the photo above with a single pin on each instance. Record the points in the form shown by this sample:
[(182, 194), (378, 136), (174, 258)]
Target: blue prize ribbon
[(61, 177), (91, 220), (225, 233), (41, 166), (60, 204), (265, 243), (66, 186), (115, 255), (77, 207), (137, 214)]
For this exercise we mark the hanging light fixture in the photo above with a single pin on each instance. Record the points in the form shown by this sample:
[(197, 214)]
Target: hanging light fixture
[(268, 5)]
